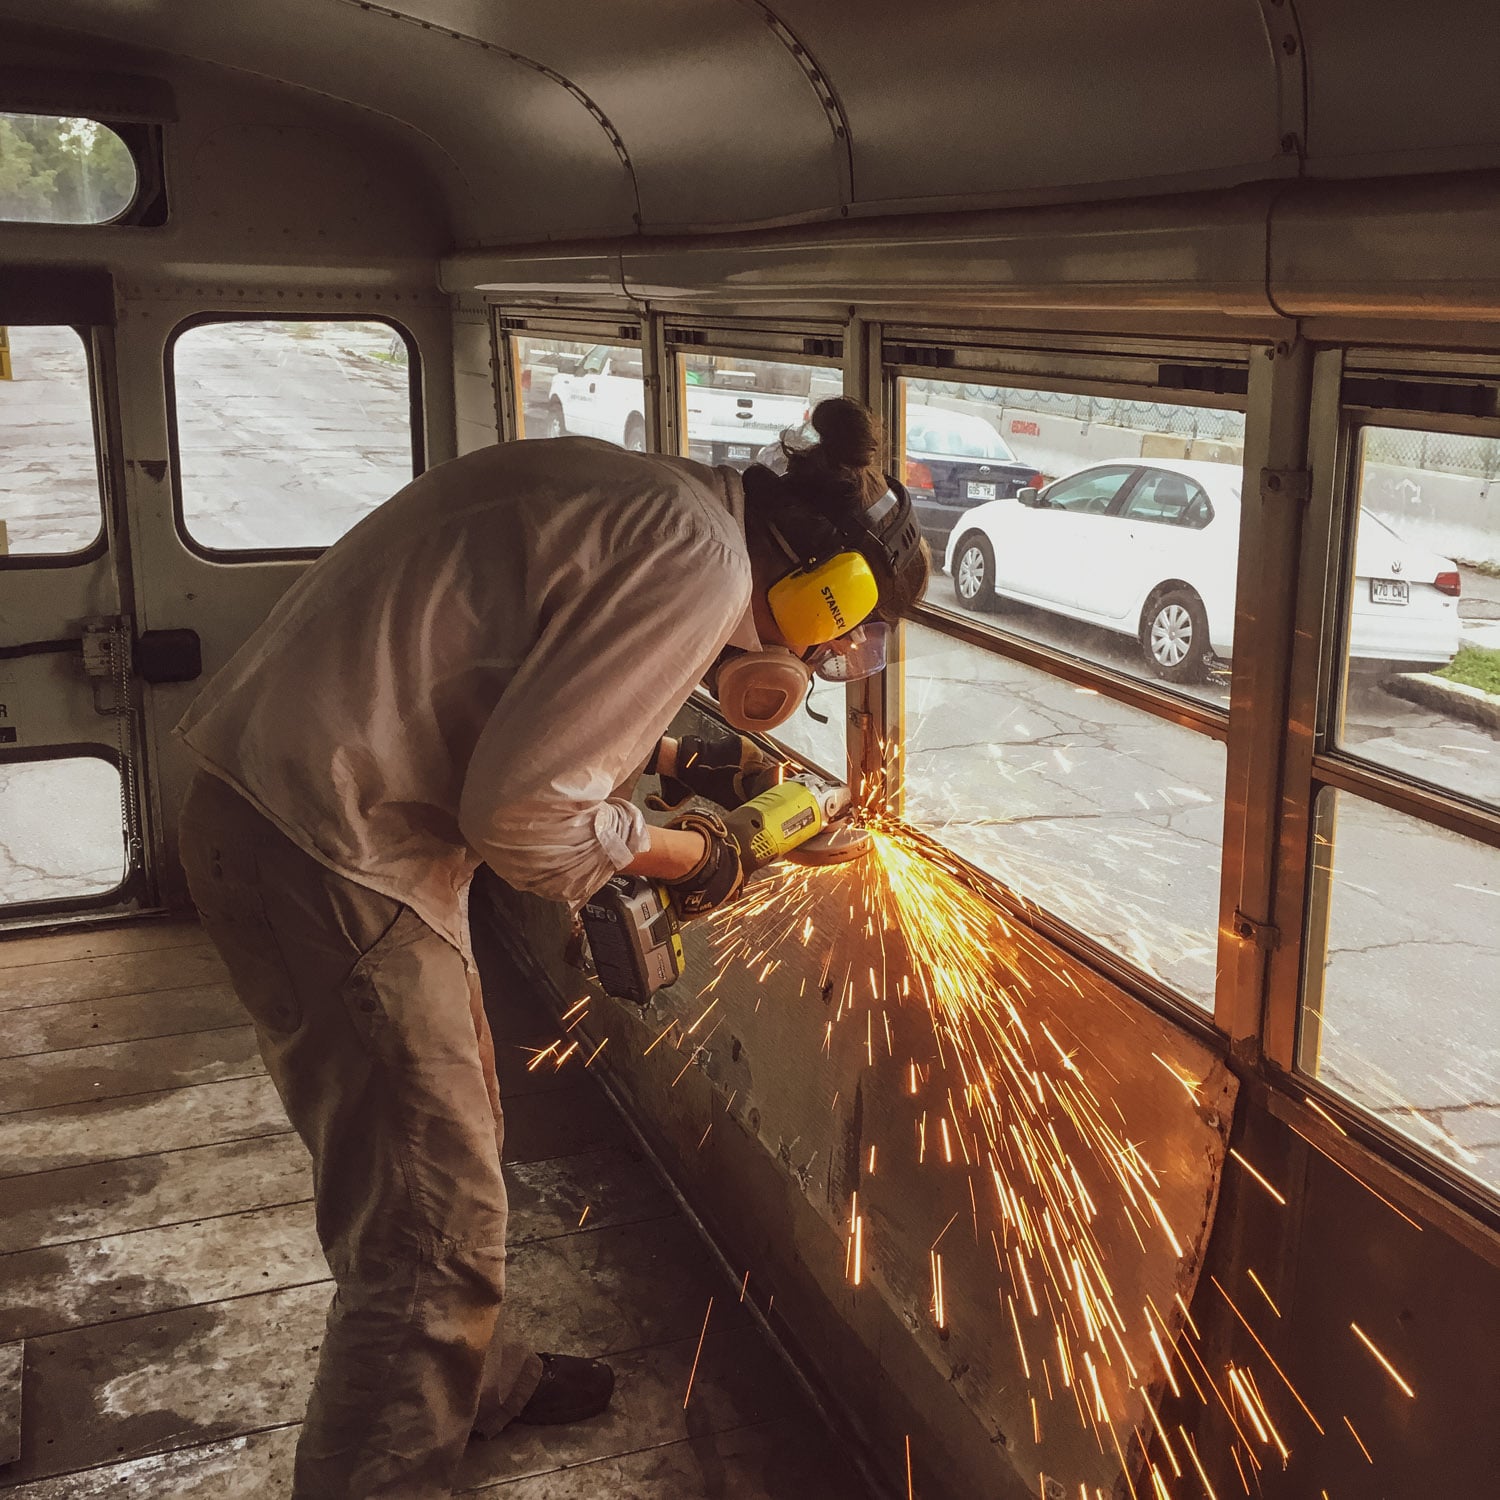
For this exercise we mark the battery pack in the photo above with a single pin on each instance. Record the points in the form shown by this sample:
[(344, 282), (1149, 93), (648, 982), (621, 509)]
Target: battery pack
[(634, 938)]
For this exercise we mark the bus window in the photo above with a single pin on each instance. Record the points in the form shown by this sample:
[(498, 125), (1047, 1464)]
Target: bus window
[(1103, 527), (566, 387), (1405, 1023), (1103, 814), (287, 433), (63, 170), (736, 411), (49, 487)]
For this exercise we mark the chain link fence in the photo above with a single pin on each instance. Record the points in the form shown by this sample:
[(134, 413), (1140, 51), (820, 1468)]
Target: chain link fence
[(1165, 417), (1442, 452)]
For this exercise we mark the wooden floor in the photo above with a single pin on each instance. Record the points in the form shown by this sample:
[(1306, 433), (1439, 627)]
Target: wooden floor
[(157, 1257)]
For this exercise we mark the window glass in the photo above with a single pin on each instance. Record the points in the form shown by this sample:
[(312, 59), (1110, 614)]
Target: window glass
[(49, 483), (735, 411), (826, 745), (58, 169), (1091, 493), (62, 830), (1169, 500), (586, 389), (1409, 1023), (289, 433), (1107, 817), (1069, 571), (1422, 621)]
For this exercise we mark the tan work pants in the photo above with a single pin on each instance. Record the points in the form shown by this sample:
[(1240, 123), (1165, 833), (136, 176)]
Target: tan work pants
[(374, 1035)]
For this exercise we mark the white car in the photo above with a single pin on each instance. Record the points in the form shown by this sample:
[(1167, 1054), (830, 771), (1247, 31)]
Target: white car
[(1149, 549), (604, 398)]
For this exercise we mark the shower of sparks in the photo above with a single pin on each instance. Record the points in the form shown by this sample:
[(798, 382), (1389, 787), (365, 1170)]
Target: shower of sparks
[(997, 1091), (1259, 1177), (1389, 1368), (697, 1355), (1358, 1439)]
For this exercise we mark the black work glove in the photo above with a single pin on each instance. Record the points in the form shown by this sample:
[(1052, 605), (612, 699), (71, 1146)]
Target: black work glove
[(717, 877), (729, 770)]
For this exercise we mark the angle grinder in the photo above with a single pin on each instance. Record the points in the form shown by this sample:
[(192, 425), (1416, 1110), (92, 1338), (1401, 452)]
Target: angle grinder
[(632, 928)]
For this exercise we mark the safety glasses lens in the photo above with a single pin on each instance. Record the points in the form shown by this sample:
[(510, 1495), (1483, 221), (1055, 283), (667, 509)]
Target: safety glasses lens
[(859, 654)]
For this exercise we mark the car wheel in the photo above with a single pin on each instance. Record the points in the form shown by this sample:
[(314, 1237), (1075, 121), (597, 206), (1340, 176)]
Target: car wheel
[(635, 435), (1174, 636), (974, 573), (556, 427)]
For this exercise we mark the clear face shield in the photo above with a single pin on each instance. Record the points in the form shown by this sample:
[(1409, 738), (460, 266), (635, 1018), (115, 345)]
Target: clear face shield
[(860, 653)]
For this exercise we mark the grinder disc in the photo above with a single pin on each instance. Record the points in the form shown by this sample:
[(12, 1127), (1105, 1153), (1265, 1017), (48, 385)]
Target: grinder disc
[(834, 846)]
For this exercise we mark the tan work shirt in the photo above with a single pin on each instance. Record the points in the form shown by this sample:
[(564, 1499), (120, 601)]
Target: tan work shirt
[(480, 668)]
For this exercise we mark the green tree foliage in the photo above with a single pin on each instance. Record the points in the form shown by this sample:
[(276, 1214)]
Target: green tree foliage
[(55, 170)]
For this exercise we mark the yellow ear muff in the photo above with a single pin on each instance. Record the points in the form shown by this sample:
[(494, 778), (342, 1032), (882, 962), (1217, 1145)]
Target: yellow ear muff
[(820, 604)]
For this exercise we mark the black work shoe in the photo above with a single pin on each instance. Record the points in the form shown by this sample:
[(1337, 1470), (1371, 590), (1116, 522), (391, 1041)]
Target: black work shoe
[(570, 1390)]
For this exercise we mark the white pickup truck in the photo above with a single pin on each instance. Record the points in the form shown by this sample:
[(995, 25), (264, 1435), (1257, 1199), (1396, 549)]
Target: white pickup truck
[(727, 420)]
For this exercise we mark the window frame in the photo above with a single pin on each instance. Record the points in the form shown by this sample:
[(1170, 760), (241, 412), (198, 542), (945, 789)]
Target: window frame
[(234, 556), (99, 545), (1314, 761), (507, 324), (1078, 366)]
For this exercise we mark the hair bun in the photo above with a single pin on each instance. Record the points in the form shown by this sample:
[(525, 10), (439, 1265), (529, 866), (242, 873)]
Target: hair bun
[(847, 431)]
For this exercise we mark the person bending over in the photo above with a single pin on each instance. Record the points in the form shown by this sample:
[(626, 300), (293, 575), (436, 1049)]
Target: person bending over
[(478, 672)]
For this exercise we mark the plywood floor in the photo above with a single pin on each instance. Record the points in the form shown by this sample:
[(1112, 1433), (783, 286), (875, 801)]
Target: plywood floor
[(158, 1258)]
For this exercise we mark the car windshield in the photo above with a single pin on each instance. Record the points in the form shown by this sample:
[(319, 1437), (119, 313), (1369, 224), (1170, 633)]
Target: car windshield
[(970, 437)]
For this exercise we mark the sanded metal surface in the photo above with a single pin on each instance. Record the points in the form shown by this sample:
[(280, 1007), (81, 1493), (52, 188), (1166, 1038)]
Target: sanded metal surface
[(158, 1256)]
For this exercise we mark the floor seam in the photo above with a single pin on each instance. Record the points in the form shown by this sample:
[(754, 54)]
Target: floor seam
[(107, 1099), (160, 989), (128, 1041), (583, 1464), (142, 1155)]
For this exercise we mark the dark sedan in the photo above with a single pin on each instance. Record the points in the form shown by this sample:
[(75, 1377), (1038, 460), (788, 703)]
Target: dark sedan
[(955, 461)]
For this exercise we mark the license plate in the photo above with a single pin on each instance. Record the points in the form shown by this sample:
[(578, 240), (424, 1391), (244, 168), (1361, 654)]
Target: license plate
[(1388, 591), (978, 491), (737, 450)]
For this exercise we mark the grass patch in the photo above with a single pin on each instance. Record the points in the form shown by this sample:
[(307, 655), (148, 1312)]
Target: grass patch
[(1475, 667)]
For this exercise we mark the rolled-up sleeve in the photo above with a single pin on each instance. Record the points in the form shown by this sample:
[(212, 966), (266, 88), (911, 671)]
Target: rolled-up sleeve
[(616, 656)]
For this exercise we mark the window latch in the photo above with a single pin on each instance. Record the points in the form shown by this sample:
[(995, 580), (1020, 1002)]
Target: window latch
[(1287, 484), (1265, 935)]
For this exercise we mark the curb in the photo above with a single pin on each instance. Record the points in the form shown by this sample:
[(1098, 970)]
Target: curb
[(1456, 699)]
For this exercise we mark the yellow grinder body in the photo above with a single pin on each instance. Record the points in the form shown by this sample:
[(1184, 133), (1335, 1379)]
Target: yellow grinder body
[(630, 924)]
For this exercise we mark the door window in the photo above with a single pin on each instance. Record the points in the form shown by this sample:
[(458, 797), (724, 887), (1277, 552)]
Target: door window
[(63, 831), (1088, 494), (288, 433), (1168, 499), (49, 485)]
